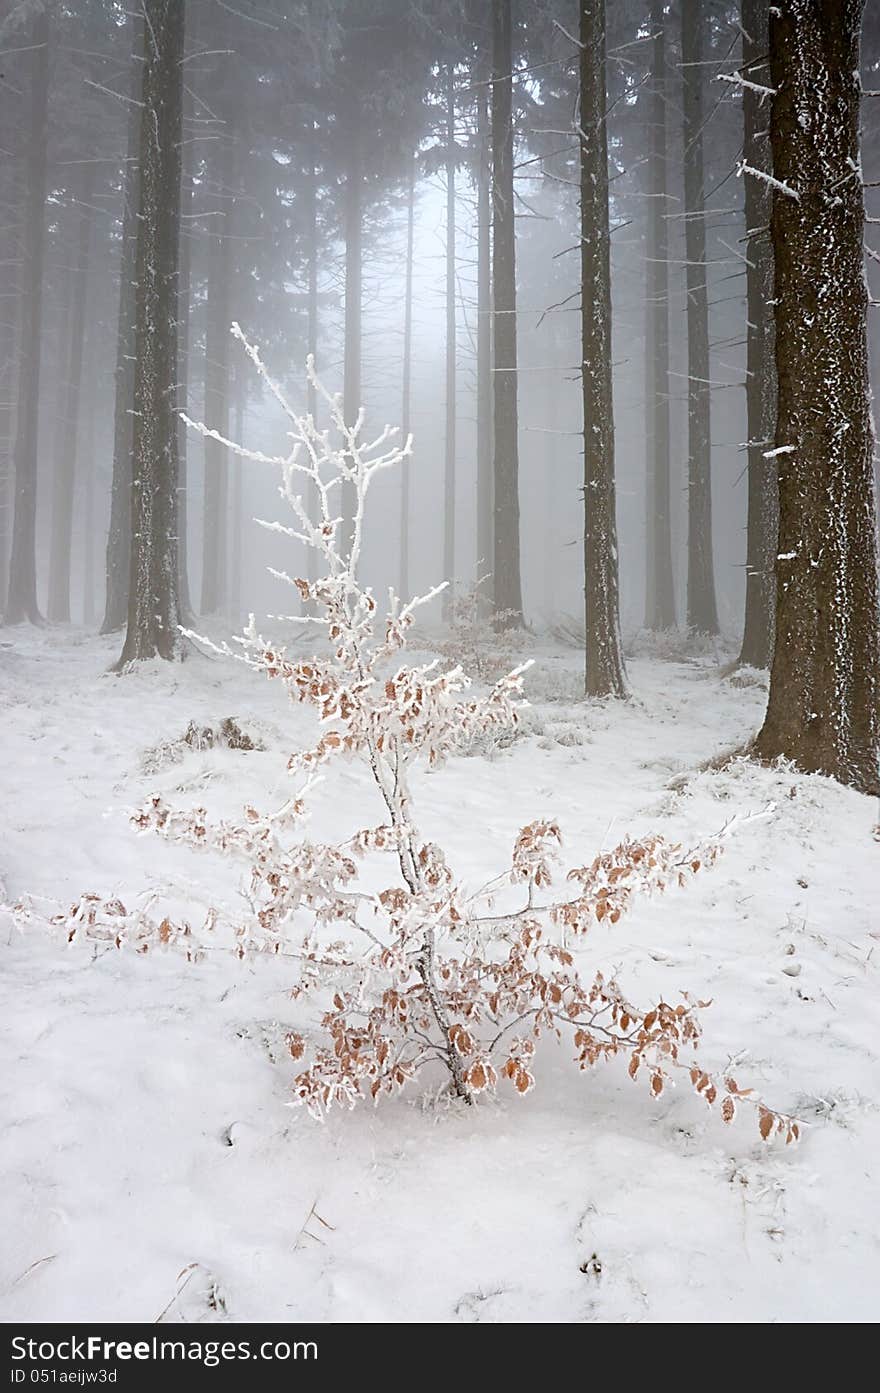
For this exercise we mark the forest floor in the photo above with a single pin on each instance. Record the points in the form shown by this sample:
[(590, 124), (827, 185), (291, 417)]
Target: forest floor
[(152, 1168)]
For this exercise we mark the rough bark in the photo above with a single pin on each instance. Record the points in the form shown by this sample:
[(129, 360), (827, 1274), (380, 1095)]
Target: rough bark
[(660, 589), (405, 422), (153, 614), (506, 550), (451, 301), (21, 601), (763, 505), (61, 546), (603, 658), (823, 711), (118, 560), (702, 610)]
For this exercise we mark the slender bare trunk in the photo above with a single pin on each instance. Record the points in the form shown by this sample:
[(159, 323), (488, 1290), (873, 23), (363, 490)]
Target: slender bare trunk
[(217, 386), (451, 301), (660, 609), (763, 507), (119, 533), (603, 658), (702, 609), (507, 582), (58, 604), (22, 598), (485, 480), (404, 581)]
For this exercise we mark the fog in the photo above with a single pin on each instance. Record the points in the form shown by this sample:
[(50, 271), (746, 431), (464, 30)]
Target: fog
[(241, 100)]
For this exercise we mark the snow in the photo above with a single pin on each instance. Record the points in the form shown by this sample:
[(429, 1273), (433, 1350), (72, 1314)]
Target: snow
[(150, 1163)]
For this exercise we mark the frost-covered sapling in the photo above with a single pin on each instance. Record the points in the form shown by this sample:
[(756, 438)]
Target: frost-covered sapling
[(425, 972)]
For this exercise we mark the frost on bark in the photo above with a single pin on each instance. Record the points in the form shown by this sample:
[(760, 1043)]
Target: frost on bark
[(21, 602), (702, 611), (506, 567), (119, 533), (58, 605), (763, 505), (660, 591), (823, 710), (604, 672), (153, 618)]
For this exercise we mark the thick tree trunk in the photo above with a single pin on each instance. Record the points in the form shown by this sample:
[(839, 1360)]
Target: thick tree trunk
[(451, 301), (763, 506), (22, 598), (217, 355), (702, 610), (824, 707), (58, 604), (405, 423), (353, 234), (485, 480), (660, 606), (153, 613), (119, 533), (603, 658), (507, 583)]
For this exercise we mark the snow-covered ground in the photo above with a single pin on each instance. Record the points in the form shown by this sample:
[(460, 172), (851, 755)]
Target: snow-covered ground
[(150, 1163)]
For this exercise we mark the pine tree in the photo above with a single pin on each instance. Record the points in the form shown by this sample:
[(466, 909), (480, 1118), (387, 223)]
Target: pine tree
[(660, 591), (604, 671), (824, 706), (152, 629), (21, 601), (702, 611), (507, 583), (763, 508)]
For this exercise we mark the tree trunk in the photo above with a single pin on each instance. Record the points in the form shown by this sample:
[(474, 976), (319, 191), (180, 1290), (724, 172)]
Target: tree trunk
[(87, 454), (153, 614), (660, 607), (58, 605), (763, 508), (311, 192), (451, 300), (184, 292), (11, 314), (405, 424), (119, 533), (507, 583), (235, 518), (353, 233), (702, 610), (824, 707), (603, 658), (217, 346), (485, 481), (22, 599)]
